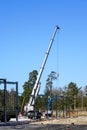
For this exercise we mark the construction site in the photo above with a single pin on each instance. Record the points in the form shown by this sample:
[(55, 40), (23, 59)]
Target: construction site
[(58, 113)]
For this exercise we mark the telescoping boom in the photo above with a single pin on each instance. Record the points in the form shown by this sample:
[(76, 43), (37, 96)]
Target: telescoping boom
[(36, 87)]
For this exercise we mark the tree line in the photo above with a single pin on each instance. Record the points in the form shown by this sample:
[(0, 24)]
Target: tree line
[(77, 95)]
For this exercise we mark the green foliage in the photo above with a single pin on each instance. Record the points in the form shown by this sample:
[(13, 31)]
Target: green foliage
[(28, 86), (72, 89), (49, 83), (10, 99), (77, 97), (41, 103)]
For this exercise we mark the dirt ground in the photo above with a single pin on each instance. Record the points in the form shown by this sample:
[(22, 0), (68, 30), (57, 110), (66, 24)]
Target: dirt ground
[(81, 120), (77, 123)]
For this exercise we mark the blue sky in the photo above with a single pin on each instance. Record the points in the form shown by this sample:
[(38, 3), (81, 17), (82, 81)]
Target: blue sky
[(26, 27)]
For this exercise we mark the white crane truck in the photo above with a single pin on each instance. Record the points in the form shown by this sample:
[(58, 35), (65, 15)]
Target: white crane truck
[(29, 108)]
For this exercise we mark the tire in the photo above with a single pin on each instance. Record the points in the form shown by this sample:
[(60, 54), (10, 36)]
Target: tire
[(3, 118), (8, 118)]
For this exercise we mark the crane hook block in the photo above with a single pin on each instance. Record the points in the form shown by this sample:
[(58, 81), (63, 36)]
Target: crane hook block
[(57, 27)]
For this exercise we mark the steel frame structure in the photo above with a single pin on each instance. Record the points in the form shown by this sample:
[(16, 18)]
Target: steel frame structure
[(5, 82)]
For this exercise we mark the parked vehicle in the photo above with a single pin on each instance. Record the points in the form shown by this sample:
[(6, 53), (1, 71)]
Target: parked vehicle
[(9, 114)]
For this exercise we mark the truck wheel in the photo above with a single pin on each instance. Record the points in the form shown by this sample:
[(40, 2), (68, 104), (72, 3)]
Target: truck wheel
[(2, 119), (8, 118)]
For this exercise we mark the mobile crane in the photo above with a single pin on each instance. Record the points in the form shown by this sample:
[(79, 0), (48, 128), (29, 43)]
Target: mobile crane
[(30, 106)]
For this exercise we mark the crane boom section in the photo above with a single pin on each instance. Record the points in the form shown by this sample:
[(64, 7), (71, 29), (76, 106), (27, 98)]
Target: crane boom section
[(36, 86)]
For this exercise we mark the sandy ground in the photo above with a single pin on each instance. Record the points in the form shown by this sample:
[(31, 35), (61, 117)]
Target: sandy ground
[(78, 123), (81, 120)]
